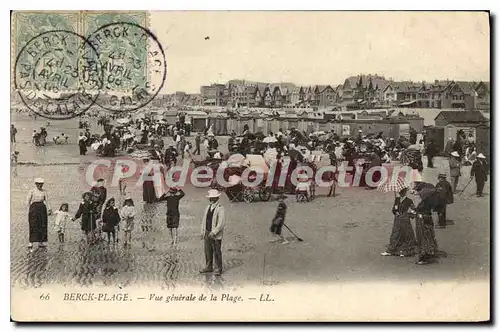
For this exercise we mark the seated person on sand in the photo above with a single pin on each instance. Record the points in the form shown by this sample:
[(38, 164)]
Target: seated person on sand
[(303, 187)]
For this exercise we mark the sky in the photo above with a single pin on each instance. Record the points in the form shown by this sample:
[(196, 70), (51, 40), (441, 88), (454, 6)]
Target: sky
[(320, 47)]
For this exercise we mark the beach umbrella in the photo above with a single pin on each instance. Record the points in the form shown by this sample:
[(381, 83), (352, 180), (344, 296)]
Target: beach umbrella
[(140, 154), (123, 121), (392, 185), (426, 193), (415, 147), (420, 185), (270, 139)]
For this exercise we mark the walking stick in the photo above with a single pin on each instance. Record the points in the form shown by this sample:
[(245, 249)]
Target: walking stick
[(465, 186), (335, 180), (298, 238)]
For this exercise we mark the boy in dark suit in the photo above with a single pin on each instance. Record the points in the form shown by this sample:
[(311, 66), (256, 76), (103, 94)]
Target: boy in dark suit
[(445, 193), (279, 220), (480, 171)]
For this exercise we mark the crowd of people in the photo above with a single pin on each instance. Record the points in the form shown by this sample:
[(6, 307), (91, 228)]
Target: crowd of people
[(99, 214)]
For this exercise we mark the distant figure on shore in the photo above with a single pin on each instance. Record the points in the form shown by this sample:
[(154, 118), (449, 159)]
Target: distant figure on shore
[(13, 132)]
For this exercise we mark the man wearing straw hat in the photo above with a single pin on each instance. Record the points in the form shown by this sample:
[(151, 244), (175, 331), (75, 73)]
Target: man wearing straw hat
[(454, 170), (479, 170), (212, 230)]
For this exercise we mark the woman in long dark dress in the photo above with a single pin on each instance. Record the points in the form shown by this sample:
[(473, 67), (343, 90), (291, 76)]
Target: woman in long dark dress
[(39, 210), (88, 212), (424, 227), (110, 219), (148, 186), (82, 145), (402, 241)]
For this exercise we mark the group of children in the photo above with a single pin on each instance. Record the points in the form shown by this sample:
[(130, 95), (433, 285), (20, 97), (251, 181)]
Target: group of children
[(110, 220)]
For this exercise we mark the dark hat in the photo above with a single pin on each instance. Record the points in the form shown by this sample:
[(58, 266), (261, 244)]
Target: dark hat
[(442, 175)]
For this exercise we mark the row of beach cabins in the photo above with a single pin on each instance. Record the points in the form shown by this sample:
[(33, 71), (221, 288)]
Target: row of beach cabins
[(438, 125), (223, 123)]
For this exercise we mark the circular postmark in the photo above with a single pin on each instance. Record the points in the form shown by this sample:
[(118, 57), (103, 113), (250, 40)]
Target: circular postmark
[(58, 74), (133, 66)]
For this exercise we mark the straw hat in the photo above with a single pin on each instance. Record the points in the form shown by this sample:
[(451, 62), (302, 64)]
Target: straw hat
[(39, 180), (481, 156), (213, 193), (455, 154)]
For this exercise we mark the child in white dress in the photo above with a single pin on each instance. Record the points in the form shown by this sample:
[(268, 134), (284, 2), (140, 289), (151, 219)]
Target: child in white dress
[(122, 185), (62, 218)]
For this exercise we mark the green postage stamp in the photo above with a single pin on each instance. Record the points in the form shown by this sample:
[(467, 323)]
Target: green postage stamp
[(108, 59)]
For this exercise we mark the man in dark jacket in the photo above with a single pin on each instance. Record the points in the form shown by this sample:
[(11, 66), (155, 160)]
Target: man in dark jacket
[(413, 136), (445, 192), (375, 161), (480, 171), (458, 147), (100, 192), (197, 144), (231, 141), (431, 151), (212, 143), (170, 157)]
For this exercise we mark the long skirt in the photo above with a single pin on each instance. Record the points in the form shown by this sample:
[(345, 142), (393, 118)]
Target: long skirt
[(173, 221), (148, 192), (89, 222), (38, 222), (402, 240), (426, 239)]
